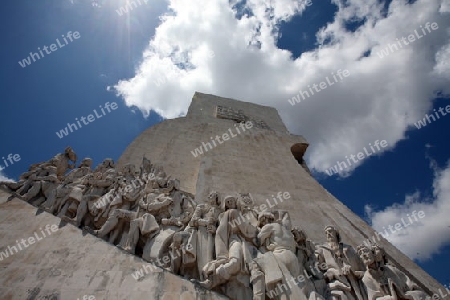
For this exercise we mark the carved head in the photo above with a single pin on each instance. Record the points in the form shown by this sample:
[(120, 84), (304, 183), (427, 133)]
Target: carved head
[(70, 154), (119, 181), (86, 162), (366, 254), (265, 218), (109, 174), (229, 203), (380, 254), (129, 169), (244, 202), (108, 163), (146, 166), (173, 184), (51, 162), (299, 235), (213, 198), (332, 234)]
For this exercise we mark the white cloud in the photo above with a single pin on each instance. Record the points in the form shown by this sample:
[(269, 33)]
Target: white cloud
[(425, 237), (4, 178), (381, 99), (445, 6), (442, 67)]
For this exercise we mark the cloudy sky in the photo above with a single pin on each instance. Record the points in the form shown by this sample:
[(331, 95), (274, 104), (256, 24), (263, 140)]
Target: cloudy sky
[(345, 74)]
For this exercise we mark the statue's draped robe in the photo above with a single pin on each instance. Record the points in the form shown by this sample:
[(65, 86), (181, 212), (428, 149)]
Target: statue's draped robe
[(377, 284), (335, 263), (231, 241)]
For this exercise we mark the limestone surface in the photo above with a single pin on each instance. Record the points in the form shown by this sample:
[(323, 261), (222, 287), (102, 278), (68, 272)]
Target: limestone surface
[(237, 213), (70, 264), (263, 161)]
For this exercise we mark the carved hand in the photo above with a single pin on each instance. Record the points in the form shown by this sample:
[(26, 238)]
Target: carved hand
[(211, 229), (142, 204), (329, 275), (202, 222), (346, 269), (167, 201)]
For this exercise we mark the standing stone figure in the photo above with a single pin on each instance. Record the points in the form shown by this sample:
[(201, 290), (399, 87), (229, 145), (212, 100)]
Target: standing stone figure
[(72, 180), (202, 228), (343, 268), (308, 262), (230, 268), (278, 240), (146, 169), (225, 245), (42, 182), (384, 281), (145, 224), (62, 161), (95, 187)]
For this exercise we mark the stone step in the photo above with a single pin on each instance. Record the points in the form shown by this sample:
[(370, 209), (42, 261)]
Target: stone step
[(56, 261)]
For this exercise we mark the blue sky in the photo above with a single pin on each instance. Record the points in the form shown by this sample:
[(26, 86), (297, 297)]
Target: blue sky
[(151, 65)]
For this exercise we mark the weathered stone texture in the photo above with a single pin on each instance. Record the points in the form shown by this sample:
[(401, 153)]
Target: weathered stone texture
[(264, 160), (257, 161), (69, 265)]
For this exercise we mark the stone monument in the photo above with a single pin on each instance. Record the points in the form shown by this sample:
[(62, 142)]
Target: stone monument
[(214, 205)]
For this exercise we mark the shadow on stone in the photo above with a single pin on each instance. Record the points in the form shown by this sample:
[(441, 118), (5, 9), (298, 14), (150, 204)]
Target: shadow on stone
[(62, 224), (39, 211)]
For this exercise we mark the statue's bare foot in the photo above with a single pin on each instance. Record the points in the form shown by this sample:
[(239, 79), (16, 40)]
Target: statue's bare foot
[(17, 195), (206, 284), (46, 208), (337, 285), (126, 248), (69, 220)]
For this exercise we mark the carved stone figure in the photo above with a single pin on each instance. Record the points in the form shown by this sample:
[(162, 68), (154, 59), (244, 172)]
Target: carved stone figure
[(119, 212), (81, 198), (145, 223), (172, 219), (62, 161), (222, 244), (129, 172), (44, 179), (146, 169), (202, 228), (308, 262), (102, 209), (386, 282), (183, 260), (278, 240), (232, 253), (244, 204), (160, 179), (343, 269), (107, 163), (257, 279), (25, 182), (73, 179)]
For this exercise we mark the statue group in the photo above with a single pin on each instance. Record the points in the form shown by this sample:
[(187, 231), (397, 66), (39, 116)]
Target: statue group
[(223, 244)]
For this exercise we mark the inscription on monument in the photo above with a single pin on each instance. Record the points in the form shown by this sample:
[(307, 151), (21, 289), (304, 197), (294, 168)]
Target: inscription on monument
[(238, 115)]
